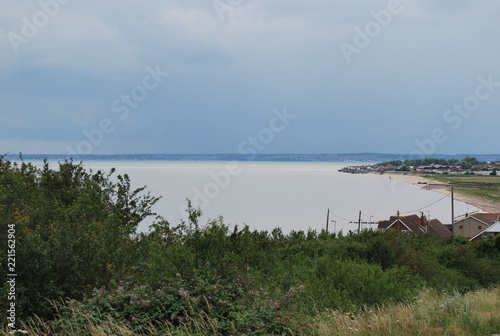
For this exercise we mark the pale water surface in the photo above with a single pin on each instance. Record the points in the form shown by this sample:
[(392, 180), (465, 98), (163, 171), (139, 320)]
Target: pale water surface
[(291, 195)]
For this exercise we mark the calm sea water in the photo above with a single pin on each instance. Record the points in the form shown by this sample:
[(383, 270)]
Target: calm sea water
[(291, 195)]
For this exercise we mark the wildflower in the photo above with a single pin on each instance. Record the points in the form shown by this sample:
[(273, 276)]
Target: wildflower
[(184, 293)]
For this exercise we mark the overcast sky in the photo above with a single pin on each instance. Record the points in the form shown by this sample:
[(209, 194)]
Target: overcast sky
[(249, 76)]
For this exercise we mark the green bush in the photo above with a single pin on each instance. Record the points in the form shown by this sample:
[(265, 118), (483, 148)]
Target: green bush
[(465, 259), (347, 285), (74, 230), (229, 304)]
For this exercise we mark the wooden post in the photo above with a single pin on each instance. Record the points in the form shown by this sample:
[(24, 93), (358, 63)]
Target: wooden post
[(452, 214), (359, 222), (327, 219)]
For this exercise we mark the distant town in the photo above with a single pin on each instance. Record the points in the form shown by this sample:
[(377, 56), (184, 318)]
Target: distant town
[(467, 166)]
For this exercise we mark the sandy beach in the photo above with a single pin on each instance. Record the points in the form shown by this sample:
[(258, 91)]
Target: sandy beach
[(480, 203)]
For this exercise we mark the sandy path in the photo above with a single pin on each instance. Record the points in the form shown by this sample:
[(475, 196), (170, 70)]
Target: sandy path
[(481, 203)]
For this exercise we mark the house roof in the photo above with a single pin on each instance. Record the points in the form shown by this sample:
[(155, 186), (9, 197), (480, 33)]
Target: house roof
[(486, 218), (438, 229), (412, 222), (385, 224), (494, 228)]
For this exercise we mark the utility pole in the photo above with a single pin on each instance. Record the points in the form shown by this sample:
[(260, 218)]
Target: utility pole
[(452, 214), (452, 204), (359, 222), (327, 219)]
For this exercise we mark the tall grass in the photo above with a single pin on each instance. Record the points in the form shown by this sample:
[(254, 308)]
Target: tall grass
[(95, 327), (431, 313)]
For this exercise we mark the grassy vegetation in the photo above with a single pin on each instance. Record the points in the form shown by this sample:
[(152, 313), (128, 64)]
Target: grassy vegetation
[(484, 186), (432, 313), (82, 269)]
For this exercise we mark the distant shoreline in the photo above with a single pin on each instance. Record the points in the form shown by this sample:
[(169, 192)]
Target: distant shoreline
[(326, 157), (481, 203)]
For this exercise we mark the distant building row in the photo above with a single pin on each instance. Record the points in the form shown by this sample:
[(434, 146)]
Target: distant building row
[(484, 169), (475, 226)]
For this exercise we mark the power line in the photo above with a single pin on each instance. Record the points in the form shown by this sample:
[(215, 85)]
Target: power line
[(426, 206), (348, 220)]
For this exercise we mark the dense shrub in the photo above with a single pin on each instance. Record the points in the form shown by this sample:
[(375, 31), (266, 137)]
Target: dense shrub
[(74, 229), (230, 304), (347, 285)]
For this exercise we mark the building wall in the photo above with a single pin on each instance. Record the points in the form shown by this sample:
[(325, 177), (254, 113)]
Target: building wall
[(469, 227), (399, 226)]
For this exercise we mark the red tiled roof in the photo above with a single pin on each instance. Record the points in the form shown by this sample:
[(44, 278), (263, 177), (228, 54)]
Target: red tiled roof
[(412, 222), (488, 218)]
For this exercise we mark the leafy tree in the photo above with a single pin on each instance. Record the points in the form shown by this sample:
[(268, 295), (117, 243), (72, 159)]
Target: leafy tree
[(74, 229)]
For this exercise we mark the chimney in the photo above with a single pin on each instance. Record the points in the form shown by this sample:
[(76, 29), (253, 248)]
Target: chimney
[(424, 223)]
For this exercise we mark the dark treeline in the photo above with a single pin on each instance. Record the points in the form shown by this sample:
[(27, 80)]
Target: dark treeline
[(466, 163), (78, 254)]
